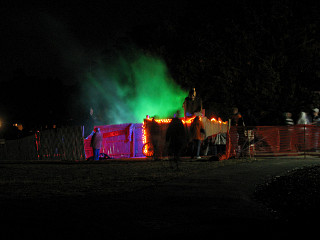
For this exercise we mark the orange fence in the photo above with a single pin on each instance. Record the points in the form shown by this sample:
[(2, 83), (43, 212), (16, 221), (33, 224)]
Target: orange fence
[(273, 141)]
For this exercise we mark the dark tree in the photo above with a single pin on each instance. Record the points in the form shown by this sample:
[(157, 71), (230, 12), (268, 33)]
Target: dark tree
[(261, 56)]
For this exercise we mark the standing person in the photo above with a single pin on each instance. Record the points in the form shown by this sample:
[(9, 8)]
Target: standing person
[(196, 129), (315, 117), (89, 124), (303, 118), (286, 133), (236, 118), (303, 140), (176, 138), (288, 119), (192, 104), (237, 131), (96, 143)]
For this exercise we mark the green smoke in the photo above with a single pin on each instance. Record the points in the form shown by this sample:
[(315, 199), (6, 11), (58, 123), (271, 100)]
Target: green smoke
[(126, 88)]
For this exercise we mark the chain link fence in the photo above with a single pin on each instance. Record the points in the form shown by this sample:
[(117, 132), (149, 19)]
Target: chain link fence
[(52, 144)]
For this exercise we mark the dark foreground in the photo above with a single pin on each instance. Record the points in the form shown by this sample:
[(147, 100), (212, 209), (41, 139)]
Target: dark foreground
[(153, 200)]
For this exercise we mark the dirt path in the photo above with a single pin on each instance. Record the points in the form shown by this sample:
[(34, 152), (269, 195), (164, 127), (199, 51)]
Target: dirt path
[(145, 200)]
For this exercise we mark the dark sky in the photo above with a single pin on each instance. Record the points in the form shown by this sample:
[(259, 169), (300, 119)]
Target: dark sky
[(53, 39), (62, 40), (47, 41), (58, 40)]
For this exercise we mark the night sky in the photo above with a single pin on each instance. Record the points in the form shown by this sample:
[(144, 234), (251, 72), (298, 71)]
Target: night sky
[(58, 39), (48, 49)]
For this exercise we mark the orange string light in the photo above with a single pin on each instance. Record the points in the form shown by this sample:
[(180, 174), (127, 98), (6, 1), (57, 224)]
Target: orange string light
[(168, 120)]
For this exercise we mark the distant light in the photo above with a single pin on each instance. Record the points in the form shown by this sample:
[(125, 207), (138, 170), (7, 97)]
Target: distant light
[(18, 125)]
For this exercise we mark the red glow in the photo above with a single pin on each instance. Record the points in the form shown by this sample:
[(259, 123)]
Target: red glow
[(186, 122)]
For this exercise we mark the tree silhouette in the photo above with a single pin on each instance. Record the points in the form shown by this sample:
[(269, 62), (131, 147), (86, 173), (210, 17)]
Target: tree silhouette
[(262, 56)]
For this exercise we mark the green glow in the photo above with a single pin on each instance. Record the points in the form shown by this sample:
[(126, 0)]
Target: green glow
[(132, 87)]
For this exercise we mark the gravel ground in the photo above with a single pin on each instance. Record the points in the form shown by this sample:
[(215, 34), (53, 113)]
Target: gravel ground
[(293, 196), (154, 200)]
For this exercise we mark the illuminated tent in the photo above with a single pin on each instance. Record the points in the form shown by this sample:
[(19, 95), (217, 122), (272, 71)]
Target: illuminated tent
[(133, 139)]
